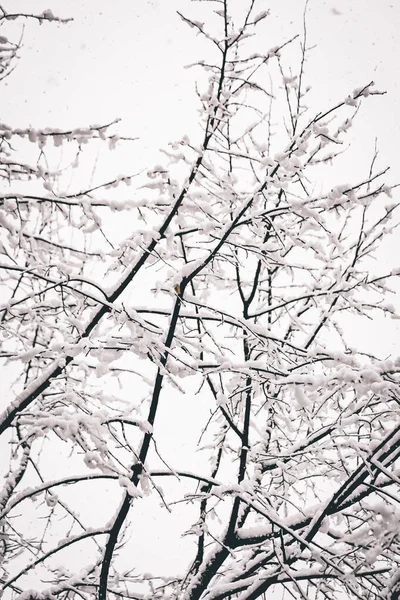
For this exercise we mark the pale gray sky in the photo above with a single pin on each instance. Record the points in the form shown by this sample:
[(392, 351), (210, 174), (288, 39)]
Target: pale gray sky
[(125, 59)]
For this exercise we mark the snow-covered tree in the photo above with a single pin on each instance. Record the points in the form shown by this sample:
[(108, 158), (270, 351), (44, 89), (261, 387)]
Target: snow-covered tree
[(200, 305)]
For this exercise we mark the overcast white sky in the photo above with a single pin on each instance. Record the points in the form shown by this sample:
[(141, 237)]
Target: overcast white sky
[(124, 59)]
